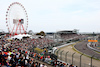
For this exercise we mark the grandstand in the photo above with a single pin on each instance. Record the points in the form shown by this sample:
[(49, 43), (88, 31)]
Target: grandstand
[(68, 34)]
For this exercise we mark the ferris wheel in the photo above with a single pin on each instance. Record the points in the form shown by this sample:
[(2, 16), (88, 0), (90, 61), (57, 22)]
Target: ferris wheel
[(16, 19)]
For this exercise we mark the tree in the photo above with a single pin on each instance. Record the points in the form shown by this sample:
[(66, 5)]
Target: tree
[(38, 34), (30, 32), (42, 33)]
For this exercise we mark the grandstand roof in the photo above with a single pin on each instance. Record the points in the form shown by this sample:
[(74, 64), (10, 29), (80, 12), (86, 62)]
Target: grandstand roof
[(67, 31)]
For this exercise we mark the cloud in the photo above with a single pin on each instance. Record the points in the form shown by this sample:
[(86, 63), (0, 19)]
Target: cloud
[(51, 15), (78, 11)]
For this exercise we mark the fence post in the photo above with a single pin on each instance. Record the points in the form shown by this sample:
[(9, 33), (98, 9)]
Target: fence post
[(72, 57), (55, 51), (66, 56), (80, 59), (91, 61), (58, 51), (61, 54)]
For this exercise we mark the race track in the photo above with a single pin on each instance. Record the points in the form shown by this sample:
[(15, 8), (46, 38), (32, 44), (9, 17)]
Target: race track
[(82, 47)]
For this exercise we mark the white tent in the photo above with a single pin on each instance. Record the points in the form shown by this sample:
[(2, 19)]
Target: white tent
[(20, 36)]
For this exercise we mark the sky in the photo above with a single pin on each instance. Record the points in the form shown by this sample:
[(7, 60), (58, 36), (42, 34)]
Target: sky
[(56, 15)]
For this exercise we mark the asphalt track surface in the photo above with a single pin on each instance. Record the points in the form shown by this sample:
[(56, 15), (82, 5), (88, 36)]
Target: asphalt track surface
[(82, 47)]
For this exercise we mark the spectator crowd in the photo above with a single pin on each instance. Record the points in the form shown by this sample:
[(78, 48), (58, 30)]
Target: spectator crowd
[(17, 53)]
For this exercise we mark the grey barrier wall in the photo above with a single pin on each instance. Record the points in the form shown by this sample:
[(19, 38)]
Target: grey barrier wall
[(88, 45), (65, 45)]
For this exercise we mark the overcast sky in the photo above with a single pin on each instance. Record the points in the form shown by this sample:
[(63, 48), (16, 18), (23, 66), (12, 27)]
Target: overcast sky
[(55, 15)]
